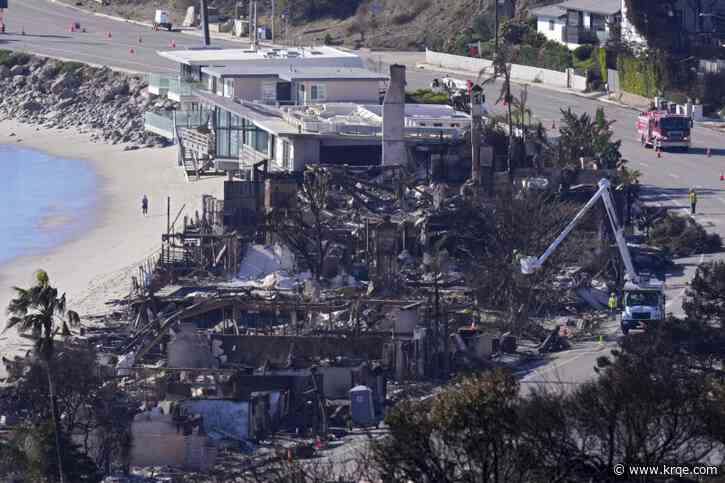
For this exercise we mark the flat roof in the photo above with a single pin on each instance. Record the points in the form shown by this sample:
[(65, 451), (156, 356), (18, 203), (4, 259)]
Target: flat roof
[(548, 11), (603, 7), (422, 110), (209, 56), (296, 71), (266, 117), (332, 73)]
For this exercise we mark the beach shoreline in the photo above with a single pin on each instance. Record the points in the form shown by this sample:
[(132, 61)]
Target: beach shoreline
[(95, 264)]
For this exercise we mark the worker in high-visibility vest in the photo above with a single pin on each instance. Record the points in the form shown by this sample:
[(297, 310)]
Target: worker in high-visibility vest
[(693, 201), (612, 303)]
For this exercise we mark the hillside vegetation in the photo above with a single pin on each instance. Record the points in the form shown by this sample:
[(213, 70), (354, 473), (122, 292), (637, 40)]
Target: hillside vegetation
[(391, 24)]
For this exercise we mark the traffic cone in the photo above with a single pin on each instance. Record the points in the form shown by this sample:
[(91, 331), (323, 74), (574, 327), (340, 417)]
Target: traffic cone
[(83, 30), (71, 28), (173, 44), (108, 34), (722, 177), (131, 51), (140, 40)]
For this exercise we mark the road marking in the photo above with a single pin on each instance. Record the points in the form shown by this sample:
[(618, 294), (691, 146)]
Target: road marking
[(671, 175), (646, 165)]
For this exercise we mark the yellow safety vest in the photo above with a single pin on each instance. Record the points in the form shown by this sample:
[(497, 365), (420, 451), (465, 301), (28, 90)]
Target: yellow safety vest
[(612, 303), (693, 197)]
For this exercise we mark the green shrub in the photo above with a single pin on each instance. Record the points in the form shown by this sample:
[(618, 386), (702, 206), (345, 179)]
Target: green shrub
[(583, 52), (426, 96), (639, 76), (69, 67), (483, 27), (11, 59), (528, 55), (602, 54), (555, 56)]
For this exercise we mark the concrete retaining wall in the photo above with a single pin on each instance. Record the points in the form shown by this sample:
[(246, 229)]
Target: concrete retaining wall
[(518, 72)]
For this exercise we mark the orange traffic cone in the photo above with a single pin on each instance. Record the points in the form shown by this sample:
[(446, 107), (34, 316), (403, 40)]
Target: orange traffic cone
[(722, 177), (131, 51), (108, 34)]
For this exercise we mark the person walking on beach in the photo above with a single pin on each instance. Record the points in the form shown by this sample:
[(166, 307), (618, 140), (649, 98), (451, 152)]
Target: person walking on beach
[(693, 201), (144, 205)]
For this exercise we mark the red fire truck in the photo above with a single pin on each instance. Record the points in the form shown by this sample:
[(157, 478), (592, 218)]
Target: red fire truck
[(663, 129)]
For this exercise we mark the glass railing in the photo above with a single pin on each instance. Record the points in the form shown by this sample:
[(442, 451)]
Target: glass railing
[(183, 88), (158, 81), (161, 123), (194, 118)]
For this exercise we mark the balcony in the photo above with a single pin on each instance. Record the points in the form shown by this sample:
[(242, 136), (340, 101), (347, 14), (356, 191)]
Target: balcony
[(165, 123), (161, 123), (158, 84), (182, 91)]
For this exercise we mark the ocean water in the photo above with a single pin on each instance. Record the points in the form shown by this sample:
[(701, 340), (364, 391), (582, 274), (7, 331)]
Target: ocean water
[(44, 201)]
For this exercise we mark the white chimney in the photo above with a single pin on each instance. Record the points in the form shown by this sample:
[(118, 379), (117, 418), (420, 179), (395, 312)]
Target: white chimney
[(394, 152)]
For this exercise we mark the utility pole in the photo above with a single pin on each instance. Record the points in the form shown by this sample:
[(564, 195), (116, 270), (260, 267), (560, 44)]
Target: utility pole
[(477, 100), (274, 18), (495, 13), (205, 23)]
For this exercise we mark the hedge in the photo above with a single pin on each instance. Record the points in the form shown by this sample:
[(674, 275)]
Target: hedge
[(602, 53), (639, 76)]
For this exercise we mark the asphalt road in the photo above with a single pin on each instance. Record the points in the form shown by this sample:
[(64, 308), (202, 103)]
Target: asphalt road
[(666, 180), (47, 24)]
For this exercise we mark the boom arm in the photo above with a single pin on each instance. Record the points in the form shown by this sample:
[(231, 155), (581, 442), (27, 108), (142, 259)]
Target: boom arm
[(530, 264)]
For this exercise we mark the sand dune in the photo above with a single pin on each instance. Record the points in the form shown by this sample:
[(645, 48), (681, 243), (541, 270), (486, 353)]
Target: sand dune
[(97, 264)]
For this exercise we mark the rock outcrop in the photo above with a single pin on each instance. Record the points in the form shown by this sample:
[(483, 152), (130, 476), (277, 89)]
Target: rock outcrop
[(106, 104)]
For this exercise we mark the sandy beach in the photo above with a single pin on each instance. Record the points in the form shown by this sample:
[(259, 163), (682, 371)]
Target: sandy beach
[(95, 266)]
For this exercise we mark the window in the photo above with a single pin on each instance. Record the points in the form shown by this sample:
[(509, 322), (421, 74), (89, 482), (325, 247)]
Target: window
[(437, 124), (318, 92), (228, 87), (285, 155), (552, 25), (422, 124)]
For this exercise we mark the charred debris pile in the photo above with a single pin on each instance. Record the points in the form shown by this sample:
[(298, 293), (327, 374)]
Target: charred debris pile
[(300, 306)]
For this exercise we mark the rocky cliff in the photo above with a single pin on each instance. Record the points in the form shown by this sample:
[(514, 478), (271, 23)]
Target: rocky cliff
[(52, 94)]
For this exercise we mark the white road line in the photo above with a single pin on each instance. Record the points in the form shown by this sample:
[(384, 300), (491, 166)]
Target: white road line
[(671, 175), (646, 165)]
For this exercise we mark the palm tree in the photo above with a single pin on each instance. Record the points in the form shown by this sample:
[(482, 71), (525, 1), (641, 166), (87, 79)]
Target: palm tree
[(40, 310)]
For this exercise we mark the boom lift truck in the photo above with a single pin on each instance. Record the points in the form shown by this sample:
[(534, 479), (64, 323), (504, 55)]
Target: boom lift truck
[(644, 298)]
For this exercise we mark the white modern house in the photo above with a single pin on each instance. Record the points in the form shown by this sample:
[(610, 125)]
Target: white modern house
[(287, 107), (576, 22)]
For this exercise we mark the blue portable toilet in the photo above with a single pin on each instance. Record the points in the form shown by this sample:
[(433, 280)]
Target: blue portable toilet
[(362, 411)]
